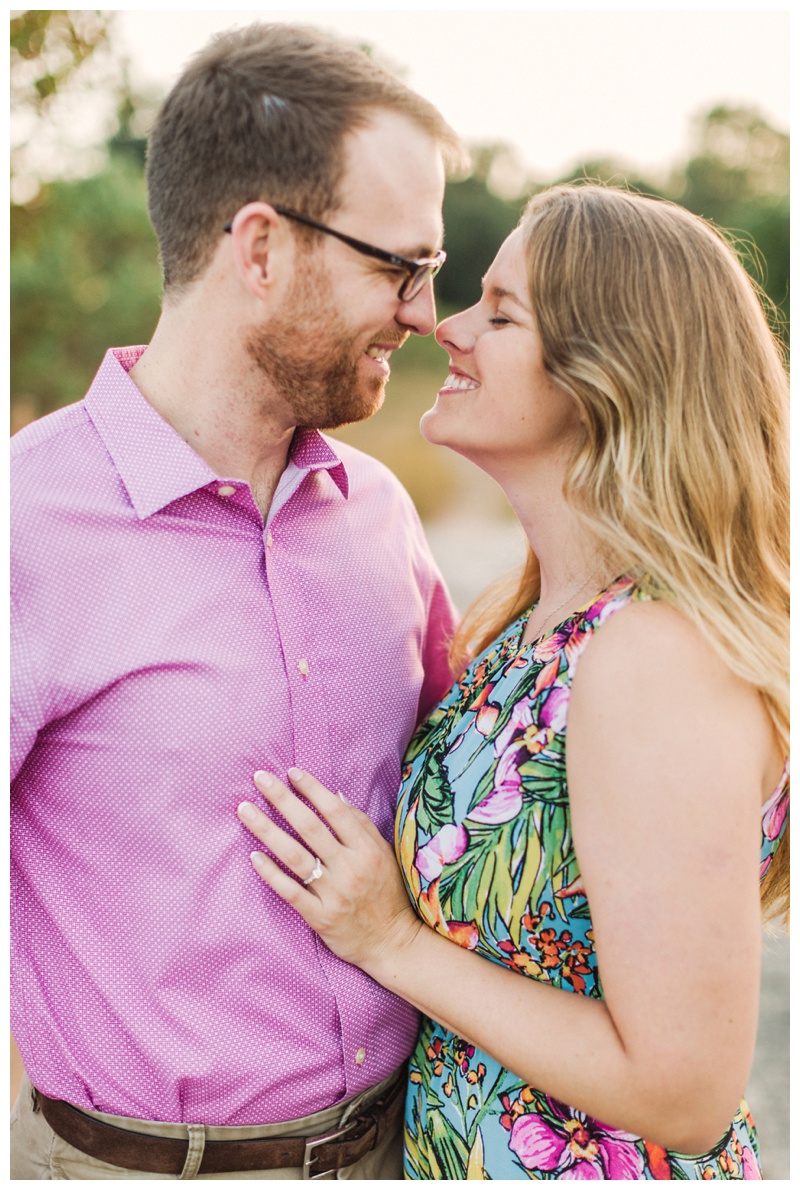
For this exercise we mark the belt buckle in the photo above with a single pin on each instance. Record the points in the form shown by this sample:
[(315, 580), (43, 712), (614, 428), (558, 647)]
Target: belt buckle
[(313, 1142)]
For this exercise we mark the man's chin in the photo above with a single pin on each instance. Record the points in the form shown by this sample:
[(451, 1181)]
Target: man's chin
[(357, 412)]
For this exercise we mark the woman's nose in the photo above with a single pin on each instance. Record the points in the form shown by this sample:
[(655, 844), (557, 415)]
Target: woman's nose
[(454, 332)]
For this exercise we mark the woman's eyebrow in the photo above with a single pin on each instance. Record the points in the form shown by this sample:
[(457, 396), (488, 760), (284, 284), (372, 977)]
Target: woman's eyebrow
[(497, 291)]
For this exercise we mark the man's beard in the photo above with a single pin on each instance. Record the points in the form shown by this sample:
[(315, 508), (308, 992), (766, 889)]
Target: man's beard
[(312, 360)]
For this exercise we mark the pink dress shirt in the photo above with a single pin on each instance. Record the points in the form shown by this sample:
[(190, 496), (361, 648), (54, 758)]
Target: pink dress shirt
[(167, 644)]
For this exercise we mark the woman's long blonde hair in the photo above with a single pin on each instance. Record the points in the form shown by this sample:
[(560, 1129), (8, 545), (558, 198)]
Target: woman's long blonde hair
[(648, 319)]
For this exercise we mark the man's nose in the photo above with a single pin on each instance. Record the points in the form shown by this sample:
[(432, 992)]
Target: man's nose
[(419, 315)]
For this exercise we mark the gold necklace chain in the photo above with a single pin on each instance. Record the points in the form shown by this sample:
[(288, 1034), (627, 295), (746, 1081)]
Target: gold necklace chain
[(572, 595)]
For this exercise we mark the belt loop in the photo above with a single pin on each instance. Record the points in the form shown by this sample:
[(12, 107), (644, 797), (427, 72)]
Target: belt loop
[(194, 1157)]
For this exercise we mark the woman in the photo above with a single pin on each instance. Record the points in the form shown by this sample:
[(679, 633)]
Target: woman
[(599, 794)]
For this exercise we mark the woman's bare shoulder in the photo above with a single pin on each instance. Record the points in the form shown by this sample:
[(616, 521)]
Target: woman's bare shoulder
[(649, 669), (651, 637)]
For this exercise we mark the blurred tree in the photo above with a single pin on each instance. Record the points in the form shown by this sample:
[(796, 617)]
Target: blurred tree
[(84, 268), (130, 140), (476, 221), (738, 176), (47, 47), (50, 50), (737, 157), (84, 276), (611, 171)]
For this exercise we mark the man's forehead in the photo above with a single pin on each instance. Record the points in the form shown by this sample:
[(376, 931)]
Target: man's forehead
[(393, 184), (423, 248)]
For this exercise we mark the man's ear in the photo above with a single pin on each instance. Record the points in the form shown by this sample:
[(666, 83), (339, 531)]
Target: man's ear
[(255, 243)]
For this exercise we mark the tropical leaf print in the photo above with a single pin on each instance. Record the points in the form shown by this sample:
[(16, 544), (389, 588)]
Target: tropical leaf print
[(484, 839), (475, 1167), (434, 795)]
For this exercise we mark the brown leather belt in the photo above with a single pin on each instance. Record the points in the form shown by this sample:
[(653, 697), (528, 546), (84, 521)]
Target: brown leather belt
[(316, 1155)]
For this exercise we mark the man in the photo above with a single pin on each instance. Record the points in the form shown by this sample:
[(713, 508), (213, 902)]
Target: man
[(205, 586)]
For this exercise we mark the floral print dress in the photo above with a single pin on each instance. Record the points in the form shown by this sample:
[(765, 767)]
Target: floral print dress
[(484, 840)]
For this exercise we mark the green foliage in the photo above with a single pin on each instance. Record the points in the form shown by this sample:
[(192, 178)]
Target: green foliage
[(84, 277), (476, 223), (738, 177)]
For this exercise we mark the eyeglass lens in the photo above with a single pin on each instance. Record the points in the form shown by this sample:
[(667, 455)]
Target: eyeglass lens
[(417, 281)]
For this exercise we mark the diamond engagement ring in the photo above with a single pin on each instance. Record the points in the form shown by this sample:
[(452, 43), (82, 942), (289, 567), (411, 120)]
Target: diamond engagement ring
[(316, 871)]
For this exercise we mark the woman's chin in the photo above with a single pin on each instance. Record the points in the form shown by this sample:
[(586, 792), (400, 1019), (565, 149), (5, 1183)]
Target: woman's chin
[(433, 427)]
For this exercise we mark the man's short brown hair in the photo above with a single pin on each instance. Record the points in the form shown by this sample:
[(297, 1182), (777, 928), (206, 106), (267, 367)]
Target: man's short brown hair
[(260, 114)]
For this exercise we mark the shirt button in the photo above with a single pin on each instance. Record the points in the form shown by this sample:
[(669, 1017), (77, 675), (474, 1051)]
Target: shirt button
[(226, 490), (361, 1055), (302, 665)]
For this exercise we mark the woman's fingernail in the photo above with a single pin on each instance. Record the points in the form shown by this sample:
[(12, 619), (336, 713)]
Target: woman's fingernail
[(247, 810), (295, 774), (262, 779), (342, 797), (257, 859)]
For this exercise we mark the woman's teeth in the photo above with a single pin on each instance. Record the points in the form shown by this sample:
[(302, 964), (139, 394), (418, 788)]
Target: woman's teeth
[(462, 383)]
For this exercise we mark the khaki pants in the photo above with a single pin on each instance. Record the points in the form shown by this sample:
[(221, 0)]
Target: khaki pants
[(38, 1153)]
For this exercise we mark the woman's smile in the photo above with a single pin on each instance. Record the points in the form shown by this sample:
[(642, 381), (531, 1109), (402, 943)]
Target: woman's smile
[(458, 381)]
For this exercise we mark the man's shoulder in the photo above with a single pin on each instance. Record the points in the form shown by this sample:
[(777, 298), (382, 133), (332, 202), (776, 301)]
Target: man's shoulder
[(64, 431), (57, 463)]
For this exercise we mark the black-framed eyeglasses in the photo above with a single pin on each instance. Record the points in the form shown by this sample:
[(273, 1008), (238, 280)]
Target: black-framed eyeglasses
[(418, 272)]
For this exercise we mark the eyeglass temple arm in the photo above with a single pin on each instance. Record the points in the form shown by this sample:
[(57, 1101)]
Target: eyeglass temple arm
[(359, 245)]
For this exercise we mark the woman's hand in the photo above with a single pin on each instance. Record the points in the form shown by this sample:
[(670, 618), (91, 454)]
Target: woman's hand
[(354, 897)]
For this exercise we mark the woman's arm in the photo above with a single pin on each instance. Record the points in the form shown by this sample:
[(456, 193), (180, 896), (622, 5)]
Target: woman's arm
[(669, 757), (667, 762)]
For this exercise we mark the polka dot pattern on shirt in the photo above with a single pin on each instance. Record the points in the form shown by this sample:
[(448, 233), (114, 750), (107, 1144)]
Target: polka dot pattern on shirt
[(166, 646)]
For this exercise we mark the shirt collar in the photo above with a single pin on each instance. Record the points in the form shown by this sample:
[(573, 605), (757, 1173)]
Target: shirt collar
[(153, 461), (311, 452)]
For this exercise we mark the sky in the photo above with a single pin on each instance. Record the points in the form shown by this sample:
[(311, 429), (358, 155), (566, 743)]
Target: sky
[(559, 86)]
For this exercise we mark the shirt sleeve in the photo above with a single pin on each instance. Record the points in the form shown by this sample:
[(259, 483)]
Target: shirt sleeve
[(441, 625), (25, 697), (441, 619)]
